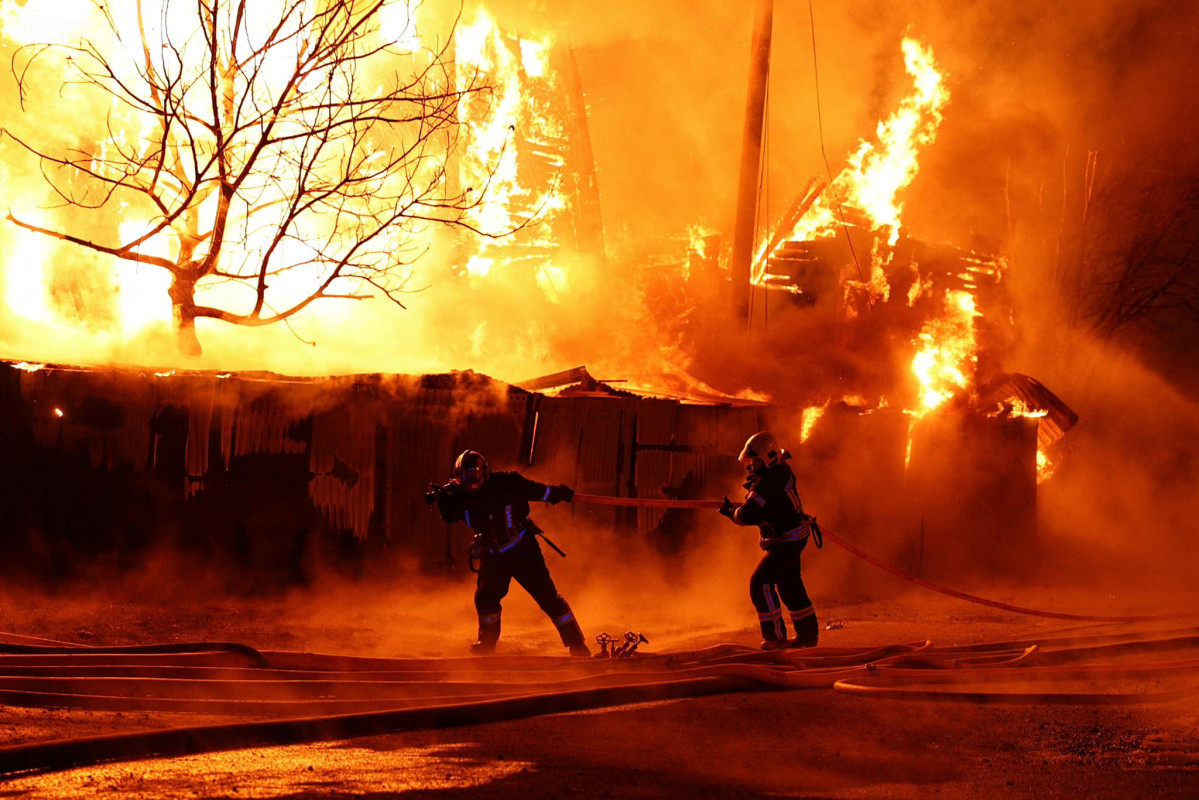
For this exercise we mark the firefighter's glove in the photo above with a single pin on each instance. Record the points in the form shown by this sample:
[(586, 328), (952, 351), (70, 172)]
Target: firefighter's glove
[(560, 494), (447, 499), (726, 508)]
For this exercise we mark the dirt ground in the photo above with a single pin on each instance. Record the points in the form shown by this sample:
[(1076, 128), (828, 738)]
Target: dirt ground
[(809, 743)]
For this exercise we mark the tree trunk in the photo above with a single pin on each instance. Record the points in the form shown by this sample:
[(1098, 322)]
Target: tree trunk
[(183, 314)]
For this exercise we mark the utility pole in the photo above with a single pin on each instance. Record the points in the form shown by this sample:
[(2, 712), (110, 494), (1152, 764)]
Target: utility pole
[(751, 159)]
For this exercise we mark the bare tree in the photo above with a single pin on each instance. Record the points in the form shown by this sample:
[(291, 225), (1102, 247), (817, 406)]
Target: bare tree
[(295, 147), (1145, 265)]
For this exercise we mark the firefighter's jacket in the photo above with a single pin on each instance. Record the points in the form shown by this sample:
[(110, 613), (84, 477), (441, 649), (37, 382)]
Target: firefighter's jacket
[(772, 503), (498, 511)]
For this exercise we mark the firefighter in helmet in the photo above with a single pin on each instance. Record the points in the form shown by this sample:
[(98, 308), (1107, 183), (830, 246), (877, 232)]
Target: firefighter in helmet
[(496, 506), (772, 503)]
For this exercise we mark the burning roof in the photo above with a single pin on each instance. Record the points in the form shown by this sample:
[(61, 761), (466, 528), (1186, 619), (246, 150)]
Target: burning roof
[(674, 385)]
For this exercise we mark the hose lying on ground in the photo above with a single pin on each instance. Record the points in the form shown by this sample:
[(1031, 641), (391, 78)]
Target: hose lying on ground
[(183, 647), (301, 697)]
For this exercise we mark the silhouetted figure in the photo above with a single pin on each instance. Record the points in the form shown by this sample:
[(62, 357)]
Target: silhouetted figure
[(772, 503), (496, 507)]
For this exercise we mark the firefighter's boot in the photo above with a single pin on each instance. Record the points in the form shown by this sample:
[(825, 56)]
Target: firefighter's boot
[(489, 634), (774, 632), (807, 629), (572, 636)]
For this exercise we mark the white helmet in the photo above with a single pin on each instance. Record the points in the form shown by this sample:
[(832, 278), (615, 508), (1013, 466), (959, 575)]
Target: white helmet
[(762, 446)]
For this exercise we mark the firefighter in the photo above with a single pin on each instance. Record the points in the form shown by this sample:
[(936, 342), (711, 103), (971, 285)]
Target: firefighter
[(772, 503), (496, 506)]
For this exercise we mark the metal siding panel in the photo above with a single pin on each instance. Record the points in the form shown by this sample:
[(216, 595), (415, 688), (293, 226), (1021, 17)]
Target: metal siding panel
[(555, 450), (655, 469), (598, 456), (420, 444), (342, 463)]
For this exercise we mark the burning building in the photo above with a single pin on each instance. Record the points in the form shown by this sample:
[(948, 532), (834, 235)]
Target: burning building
[(273, 468)]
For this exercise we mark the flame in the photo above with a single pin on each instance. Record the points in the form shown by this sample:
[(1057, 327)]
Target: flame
[(1015, 407), (26, 287), (944, 364), (398, 25), (1018, 408), (881, 172), (811, 416), (501, 126), (1045, 467), (877, 172)]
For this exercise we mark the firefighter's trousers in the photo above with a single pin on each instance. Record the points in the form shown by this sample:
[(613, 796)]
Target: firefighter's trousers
[(777, 576), (524, 562)]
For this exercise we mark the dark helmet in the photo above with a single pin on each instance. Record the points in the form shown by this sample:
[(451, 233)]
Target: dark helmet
[(761, 446), (471, 469)]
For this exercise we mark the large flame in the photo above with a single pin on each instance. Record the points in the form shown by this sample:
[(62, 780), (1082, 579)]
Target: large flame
[(509, 128), (876, 175), (878, 171), (945, 360)]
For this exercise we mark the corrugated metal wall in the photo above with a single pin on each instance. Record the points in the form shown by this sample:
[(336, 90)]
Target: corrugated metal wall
[(268, 467)]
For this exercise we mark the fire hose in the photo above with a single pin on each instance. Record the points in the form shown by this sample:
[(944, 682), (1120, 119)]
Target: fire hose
[(303, 697), (863, 555)]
